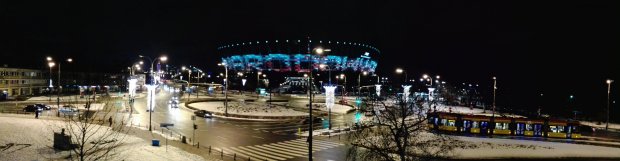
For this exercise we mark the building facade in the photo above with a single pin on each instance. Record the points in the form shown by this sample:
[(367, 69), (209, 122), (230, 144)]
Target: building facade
[(18, 81)]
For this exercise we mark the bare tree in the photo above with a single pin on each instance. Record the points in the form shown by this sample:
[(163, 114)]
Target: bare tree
[(96, 133), (399, 133)]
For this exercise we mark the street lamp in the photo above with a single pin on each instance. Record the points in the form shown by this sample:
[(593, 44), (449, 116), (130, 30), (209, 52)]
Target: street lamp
[(494, 89), (161, 58), (51, 64), (329, 71), (359, 84), (609, 81), (258, 82), (400, 71), (225, 87), (317, 51)]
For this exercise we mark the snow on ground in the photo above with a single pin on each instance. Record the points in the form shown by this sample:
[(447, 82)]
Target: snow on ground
[(338, 108), (466, 110), (82, 106), (53, 98), (513, 148), (602, 125), (248, 108), (31, 139)]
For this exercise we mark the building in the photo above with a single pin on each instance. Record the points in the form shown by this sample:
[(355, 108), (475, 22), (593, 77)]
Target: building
[(295, 58), (18, 81)]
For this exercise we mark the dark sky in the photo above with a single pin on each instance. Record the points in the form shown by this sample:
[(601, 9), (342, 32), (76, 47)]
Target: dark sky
[(533, 47)]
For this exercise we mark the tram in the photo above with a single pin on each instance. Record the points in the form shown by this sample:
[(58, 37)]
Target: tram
[(488, 125)]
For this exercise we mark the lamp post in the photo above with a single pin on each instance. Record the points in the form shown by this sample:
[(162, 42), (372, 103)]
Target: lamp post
[(494, 89), (318, 51), (162, 58), (399, 71), (609, 81), (257, 83), (51, 64), (329, 71), (225, 88)]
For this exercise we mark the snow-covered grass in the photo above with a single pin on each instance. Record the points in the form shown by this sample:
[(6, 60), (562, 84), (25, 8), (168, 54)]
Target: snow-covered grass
[(614, 126), (248, 108), (31, 139), (338, 108), (493, 148), (466, 110)]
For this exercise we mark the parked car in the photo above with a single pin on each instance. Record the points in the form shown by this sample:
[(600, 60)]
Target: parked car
[(43, 106), (203, 113), (68, 110), (32, 108), (314, 120)]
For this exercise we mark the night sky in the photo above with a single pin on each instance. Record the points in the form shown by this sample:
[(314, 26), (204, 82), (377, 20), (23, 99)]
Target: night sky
[(533, 47)]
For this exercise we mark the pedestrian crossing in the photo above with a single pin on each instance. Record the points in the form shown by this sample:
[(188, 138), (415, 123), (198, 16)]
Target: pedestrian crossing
[(284, 128), (285, 150)]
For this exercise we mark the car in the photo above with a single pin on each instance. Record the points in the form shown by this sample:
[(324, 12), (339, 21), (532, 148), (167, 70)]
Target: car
[(203, 113), (68, 110), (314, 120), (32, 108), (43, 106)]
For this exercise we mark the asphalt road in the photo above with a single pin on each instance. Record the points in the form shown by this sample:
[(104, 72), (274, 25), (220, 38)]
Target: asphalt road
[(263, 140)]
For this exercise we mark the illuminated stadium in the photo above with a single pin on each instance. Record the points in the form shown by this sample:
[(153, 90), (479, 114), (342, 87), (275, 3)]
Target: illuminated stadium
[(294, 56)]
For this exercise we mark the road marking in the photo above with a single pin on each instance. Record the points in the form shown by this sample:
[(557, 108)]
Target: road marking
[(259, 155), (258, 137), (270, 146), (265, 151)]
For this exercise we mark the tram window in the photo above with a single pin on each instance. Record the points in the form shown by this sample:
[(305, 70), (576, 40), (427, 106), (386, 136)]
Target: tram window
[(444, 122), (466, 124), (556, 128), (484, 124), (529, 127), (501, 126), (430, 120), (451, 122), (575, 129), (474, 124)]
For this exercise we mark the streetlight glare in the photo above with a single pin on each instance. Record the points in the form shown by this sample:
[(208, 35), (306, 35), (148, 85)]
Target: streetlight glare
[(183, 68), (365, 73), (70, 60), (609, 81), (424, 76), (141, 62), (319, 50), (51, 64), (437, 77), (49, 58), (399, 70), (163, 58), (137, 66)]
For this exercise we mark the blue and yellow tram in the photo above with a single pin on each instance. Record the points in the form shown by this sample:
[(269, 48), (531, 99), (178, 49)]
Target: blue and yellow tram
[(487, 125)]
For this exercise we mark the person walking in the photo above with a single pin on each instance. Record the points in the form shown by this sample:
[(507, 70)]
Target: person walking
[(110, 120), (36, 114)]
